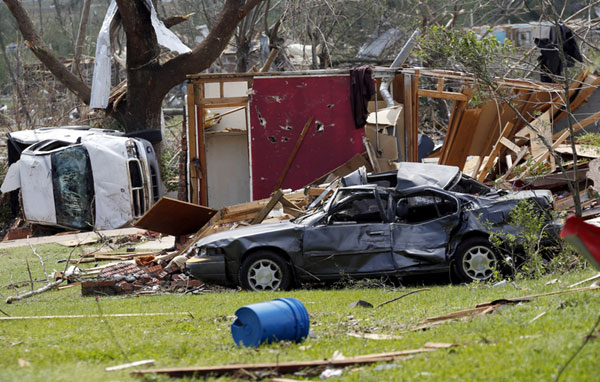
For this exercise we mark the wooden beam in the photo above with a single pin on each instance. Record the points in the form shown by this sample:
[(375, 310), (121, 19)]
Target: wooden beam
[(192, 143), (442, 94), (487, 165), (285, 367), (293, 153), (511, 146), (224, 100), (266, 209)]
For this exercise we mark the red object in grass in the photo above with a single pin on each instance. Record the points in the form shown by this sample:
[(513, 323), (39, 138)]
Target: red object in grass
[(584, 237)]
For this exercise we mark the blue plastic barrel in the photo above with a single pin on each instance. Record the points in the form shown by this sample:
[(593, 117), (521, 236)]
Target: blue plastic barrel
[(282, 319)]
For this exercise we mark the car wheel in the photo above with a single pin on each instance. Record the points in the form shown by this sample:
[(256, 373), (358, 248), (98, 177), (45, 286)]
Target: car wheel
[(475, 260), (265, 270)]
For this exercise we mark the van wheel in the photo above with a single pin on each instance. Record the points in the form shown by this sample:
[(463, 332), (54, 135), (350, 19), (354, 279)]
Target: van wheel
[(265, 270), (475, 260)]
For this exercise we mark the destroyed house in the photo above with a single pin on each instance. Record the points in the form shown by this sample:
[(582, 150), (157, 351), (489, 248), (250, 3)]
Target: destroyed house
[(249, 134)]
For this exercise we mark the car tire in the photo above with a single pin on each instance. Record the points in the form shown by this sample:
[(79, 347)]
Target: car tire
[(475, 260), (265, 270)]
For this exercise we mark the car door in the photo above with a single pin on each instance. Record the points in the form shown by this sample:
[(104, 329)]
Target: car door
[(424, 221), (354, 239)]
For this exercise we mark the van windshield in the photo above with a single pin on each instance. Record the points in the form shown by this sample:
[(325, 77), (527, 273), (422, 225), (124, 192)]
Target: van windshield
[(73, 187)]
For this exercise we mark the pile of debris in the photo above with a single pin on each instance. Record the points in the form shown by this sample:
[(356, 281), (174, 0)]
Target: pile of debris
[(143, 276)]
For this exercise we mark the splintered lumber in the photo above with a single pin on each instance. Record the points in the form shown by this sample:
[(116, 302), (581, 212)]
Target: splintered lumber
[(266, 209), (489, 307), (487, 165), (290, 207), (442, 94), (293, 153), (144, 362), (358, 160), (284, 367)]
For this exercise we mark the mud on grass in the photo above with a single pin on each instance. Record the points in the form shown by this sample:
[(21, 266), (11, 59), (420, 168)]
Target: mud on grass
[(506, 345)]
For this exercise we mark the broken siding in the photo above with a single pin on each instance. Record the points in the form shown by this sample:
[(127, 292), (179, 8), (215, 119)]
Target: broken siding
[(279, 109)]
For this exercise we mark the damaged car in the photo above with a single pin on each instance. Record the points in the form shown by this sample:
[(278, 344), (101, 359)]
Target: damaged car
[(366, 231), (82, 178)]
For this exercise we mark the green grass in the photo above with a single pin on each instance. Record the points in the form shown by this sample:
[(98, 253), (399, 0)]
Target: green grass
[(502, 346)]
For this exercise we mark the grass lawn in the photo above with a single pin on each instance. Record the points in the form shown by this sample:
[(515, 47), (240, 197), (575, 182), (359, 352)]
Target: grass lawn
[(506, 345)]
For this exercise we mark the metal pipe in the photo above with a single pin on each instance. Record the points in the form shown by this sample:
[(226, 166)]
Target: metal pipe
[(398, 61)]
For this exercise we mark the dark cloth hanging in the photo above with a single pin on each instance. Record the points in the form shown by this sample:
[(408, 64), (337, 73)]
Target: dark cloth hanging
[(362, 89), (549, 58)]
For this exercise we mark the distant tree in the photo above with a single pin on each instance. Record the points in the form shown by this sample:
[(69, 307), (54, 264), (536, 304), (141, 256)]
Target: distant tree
[(150, 74)]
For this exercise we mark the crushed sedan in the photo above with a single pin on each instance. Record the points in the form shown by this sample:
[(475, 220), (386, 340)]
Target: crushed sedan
[(366, 231)]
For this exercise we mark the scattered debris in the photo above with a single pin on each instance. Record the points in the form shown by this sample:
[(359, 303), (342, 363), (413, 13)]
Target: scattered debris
[(490, 307), (145, 362), (284, 367), (374, 336)]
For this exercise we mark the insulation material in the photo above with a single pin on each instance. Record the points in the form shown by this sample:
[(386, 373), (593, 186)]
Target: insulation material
[(279, 109), (36, 189), (164, 36), (108, 159), (101, 79), (102, 66)]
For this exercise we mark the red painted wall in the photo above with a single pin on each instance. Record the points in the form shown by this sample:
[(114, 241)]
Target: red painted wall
[(279, 109)]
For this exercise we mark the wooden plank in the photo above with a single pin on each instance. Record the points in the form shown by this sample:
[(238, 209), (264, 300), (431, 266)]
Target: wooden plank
[(372, 155), (283, 367), (456, 154), (224, 101), (408, 119), (487, 165), (442, 94), (203, 197), (293, 153), (274, 200), (191, 142), (511, 146), (413, 141)]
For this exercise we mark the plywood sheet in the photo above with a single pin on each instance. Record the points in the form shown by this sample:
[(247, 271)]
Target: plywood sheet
[(279, 109), (174, 217)]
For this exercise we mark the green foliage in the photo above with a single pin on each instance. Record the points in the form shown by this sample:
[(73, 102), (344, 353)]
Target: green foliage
[(441, 47), (590, 139), (522, 250)]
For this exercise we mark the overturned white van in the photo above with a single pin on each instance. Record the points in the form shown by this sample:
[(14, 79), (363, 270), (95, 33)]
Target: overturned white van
[(82, 178)]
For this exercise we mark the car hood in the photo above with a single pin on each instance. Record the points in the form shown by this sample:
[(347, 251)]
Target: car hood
[(221, 238)]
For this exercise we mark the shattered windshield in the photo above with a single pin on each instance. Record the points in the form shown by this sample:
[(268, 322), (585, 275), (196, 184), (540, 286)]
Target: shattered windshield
[(72, 183)]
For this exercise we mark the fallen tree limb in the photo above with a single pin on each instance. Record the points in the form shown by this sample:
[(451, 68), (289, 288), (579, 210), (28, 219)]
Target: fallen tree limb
[(43, 289)]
